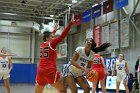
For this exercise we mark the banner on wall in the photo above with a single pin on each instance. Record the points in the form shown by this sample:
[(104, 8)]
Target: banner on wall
[(125, 32), (121, 3), (78, 19), (105, 34), (114, 35), (97, 35), (89, 33), (96, 11), (111, 83), (109, 62), (86, 16), (108, 6)]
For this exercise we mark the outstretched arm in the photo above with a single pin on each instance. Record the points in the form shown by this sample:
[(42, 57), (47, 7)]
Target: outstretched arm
[(1, 54), (58, 39), (55, 29)]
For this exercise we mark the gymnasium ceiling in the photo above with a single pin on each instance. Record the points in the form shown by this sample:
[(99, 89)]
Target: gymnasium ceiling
[(39, 10)]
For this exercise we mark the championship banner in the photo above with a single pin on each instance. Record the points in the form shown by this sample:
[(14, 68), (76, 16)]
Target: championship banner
[(113, 36), (108, 6), (89, 33), (121, 3), (78, 19), (96, 11), (125, 32), (105, 34), (97, 35), (86, 16)]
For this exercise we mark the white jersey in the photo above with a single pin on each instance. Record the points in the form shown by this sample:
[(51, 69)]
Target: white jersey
[(83, 59), (120, 67), (4, 64)]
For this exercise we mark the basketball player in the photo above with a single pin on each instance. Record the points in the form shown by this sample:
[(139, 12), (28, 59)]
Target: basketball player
[(5, 61), (81, 62), (47, 70), (99, 66), (122, 72)]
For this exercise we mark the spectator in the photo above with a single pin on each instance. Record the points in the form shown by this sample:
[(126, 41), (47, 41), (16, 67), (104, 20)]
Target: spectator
[(136, 69)]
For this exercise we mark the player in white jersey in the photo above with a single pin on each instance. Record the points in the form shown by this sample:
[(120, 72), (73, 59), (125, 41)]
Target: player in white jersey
[(122, 71), (5, 61), (81, 62), (73, 72)]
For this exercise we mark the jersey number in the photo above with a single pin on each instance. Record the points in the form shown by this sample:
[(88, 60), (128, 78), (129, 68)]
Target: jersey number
[(82, 64), (45, 53), (3, 65), (120, 68), (97, 61)]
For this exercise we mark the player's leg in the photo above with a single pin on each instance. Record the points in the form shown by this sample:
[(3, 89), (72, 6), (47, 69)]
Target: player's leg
[(117, 86), (94, 85), (38, 88), (125, 85), (82, 82), (59, 85), (101, 79), (7, 85), (119, 78), (6, 82), (40, 81), (71, 83), (102, 82)]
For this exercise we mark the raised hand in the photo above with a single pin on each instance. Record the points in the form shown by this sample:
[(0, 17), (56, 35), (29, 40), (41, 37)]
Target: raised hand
[(72, 19), (56, 27)]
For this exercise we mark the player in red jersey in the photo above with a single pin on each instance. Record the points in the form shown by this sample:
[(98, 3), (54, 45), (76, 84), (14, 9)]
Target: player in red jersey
[(47, 70), (99, 66)]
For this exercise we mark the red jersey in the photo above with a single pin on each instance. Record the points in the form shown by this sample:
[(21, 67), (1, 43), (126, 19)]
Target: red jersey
[(97, 63), (48, 53)]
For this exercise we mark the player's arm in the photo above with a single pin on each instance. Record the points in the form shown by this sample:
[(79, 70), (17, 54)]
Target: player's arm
[(90, 64), (55, 29), (127, 70), (10, 62), (113, 69), (103, 63), (65, 32), (74, 61), (59, 39), (2, 54)]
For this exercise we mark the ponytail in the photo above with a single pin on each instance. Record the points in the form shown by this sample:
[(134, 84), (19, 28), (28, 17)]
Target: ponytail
[(101, 48)]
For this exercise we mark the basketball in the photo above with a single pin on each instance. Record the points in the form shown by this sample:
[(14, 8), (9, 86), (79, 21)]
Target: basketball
[(92, 76)]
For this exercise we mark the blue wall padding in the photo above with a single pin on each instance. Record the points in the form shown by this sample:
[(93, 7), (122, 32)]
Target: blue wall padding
[(23, 73)]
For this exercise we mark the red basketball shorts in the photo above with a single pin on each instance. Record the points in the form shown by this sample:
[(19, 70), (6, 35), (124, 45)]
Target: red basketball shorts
[(49, 76), (100, 72)]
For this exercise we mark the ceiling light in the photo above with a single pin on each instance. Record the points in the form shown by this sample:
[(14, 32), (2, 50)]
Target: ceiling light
[(9, 14), (74, 1), (47, 17), (51, 15)]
